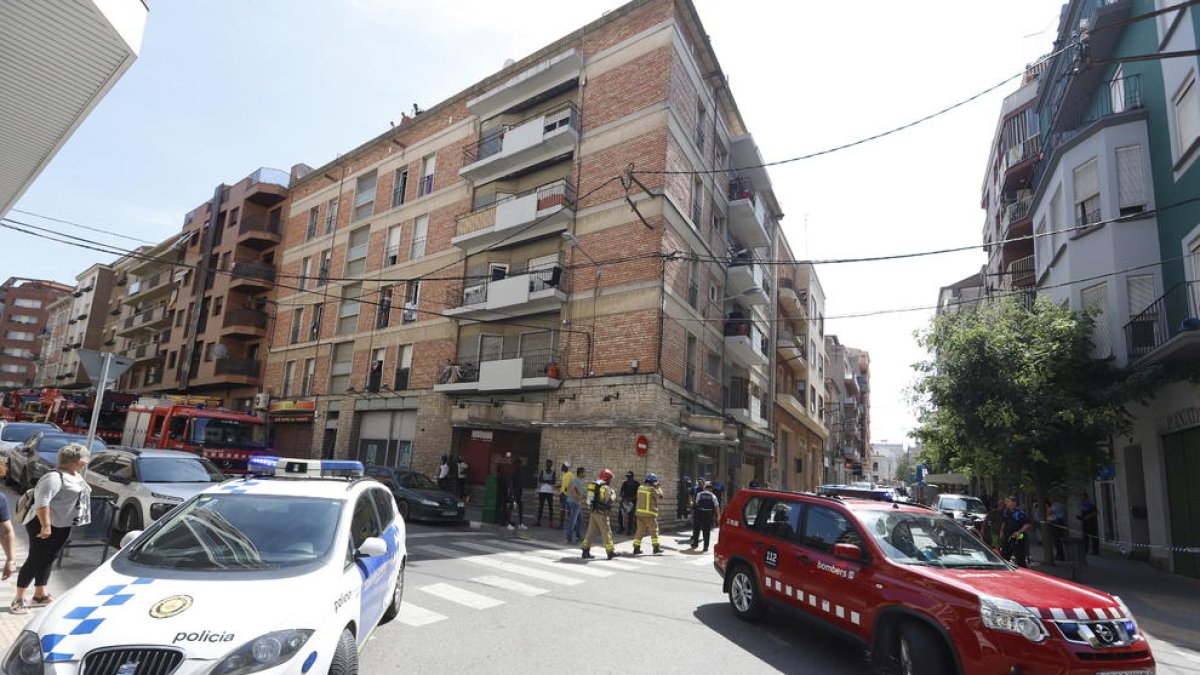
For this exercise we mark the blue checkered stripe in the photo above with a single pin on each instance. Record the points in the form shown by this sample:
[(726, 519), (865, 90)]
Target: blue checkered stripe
[(238, 488), (86, 617)]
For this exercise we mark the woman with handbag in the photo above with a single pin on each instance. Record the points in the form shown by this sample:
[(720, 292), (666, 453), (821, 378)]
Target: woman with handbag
[(62, 500)]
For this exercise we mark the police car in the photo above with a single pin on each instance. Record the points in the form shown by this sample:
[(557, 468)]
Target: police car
[(288, 569)]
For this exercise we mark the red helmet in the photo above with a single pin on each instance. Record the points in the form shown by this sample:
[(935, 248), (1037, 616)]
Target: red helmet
[(606, 475)]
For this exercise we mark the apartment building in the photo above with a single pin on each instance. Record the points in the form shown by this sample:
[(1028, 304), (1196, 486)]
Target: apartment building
[(25, 315), (77, 321), (149, 306), (486, 279), (1118, 140)]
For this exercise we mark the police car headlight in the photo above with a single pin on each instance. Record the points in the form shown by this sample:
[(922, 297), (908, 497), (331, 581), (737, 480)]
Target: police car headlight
[(24, 656), (263, 652), (1005, 615), (429, 502)]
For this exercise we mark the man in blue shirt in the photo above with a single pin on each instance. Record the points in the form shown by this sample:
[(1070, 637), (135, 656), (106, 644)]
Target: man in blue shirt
[(1014, 532), (1089, 518)]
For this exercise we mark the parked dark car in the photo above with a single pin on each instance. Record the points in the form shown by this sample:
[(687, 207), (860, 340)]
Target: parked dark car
[(33, 458), (13, 434), (418, 497)]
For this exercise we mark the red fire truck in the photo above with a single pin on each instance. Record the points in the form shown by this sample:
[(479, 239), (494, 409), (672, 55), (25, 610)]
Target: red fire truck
[(23, 405), (226, 438), (73, 412)]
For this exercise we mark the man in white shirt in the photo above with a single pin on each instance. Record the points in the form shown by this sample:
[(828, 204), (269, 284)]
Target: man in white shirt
[(546, 490), (443, 479)]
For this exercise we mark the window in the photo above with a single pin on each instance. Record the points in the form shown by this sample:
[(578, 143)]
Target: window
[(824, 527), (420, 230), (331, 211), (208, 351), (27, 303), (348, 311), (314, 217), (356, 251), (17, 353), (1055, 222), (341, 362), (297, 325), (812, 399), (403, 367), (323, 268), (783, 520), (375, 370), (1087, 194), (310, 371), (712, 364), (721, 157), (384, 314), (314, 327), (399, 186), (18, 335), (1095, 301), (428, 165), (693, 291), (1116, 91), (689, 366), (171, 360), (305, 271), (1131, 181), (701, 120), (364, 195), (218, 305), (12, 368), (412, 297), (1041, 245), (697, 201), (364, 523), (289, 378), (391, 255), (1187, 116), (23, 319)]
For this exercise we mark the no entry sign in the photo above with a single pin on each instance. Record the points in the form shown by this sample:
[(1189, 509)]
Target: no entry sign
[(642, 446)]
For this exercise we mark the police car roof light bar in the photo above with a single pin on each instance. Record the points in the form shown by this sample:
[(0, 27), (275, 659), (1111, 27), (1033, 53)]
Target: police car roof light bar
[(268, 466)]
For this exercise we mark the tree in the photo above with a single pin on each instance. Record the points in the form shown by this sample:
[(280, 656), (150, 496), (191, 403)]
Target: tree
[(1012, 392)]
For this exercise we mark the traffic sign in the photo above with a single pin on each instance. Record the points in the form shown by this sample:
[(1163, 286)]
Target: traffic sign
[(93, 364), (642, 446)]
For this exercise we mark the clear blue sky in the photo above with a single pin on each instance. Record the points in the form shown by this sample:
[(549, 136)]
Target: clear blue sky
[(223, 87)]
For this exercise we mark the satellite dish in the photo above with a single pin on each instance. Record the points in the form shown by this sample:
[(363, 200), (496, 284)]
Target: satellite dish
[(220, 351)]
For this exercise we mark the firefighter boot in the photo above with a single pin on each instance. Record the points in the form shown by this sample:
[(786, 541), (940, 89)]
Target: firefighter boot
[(611, 554), (637, 550), (657, 548), (587, 553)]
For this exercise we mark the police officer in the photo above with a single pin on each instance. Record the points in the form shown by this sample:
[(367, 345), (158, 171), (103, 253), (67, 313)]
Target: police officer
[(600, 501), (1015, 530), (625, 516), (647, 513), (708, 512)]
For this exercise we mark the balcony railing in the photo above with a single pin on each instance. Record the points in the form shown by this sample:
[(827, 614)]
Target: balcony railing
[(268, 175), (534, 363), (1153, 327), (245, 317), (1117, 96), (558, 193), (253, 269), (493, 142), (1017, 211), (1022, 270), (737, 397), (475, 292), (233, 366), (257, 224)]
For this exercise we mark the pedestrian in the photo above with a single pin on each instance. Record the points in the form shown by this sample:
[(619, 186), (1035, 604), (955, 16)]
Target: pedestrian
[(8, 539), (648, 497), (462, 479), (600, 500), (625, 515), (564, 502), (516, 491), (708, 511), (502, 498), (576, 497), (443, 479), (1089, 518), (1057, 519), (1039, 516), (1015, 542), (61, 501), (992, 526), (546, 492)]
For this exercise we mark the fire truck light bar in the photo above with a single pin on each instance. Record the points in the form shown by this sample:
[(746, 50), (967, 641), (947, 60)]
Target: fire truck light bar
[(287, 467)]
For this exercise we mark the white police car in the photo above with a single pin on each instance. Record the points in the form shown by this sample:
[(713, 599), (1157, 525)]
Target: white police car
[(287, 570)]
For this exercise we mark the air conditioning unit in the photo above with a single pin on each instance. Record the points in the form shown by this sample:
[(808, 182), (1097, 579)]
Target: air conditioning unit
[(262, 400)]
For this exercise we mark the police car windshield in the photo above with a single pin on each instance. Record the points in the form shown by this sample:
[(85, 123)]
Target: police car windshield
[(969, 504), (177, 470), (238, 532), (927, 539)]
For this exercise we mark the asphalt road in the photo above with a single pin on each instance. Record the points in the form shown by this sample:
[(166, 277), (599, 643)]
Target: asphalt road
[(478, 602)]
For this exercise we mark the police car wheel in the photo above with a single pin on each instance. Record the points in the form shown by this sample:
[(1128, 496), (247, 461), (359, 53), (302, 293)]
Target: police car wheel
[(397, 597), (920, 650), (743, 595), (345, 658)]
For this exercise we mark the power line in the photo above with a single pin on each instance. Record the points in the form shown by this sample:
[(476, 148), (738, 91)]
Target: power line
[(86, 227)]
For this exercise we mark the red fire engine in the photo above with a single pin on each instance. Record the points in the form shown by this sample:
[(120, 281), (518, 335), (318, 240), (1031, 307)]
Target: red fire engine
[(23, 405), (228, 439), (73, 412)]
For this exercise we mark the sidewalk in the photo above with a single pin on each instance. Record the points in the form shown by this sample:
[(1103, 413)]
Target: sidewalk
[(1167, 606)]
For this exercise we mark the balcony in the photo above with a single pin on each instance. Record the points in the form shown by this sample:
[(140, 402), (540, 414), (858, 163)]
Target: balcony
[(530, 144), (1016, 163), (792, 402), (252, 276), (792, 348), (1017, 214), (1124, 96), (244, 323), (1022, 272), (794, 301), (149, 288), (536, 213), (144, 352), (1168, 331), (531, 371), (746, 280), (850, 382), (744, 407), (748, 220), (531, 292), (258, 233), (539, 81), (150, 320), (238, 367), (745, 343), (267, 187)]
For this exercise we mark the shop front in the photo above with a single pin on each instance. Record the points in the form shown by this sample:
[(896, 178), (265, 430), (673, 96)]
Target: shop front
[(291, 423)]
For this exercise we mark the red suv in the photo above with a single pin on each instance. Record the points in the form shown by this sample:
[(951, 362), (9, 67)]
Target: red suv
[(916, 589)]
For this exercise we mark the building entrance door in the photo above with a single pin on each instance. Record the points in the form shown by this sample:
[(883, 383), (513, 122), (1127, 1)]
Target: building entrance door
[(1181, 455)]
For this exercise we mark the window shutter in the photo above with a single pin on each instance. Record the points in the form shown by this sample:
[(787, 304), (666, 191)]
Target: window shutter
[(1141, 292), (1131, 183), (1086, 183)]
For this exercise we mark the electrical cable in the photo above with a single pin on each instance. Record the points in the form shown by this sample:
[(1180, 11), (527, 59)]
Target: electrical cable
[(86, 227)]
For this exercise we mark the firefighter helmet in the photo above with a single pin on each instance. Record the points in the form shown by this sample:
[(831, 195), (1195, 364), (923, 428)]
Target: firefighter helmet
[(651, 478), (606, 475)]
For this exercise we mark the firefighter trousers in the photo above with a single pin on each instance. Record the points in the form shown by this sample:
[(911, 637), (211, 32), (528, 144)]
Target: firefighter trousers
[(598, 523), (645, 525)]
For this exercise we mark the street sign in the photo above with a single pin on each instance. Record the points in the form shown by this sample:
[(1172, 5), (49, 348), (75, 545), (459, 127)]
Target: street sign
[(93, 364), (642, 446)]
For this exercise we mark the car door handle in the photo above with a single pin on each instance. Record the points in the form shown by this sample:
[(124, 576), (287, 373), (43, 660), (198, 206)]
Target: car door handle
[(804, 560)]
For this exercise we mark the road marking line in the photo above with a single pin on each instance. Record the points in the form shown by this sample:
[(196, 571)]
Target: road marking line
[(429, 535), (510, 585), (488, 561), (701, 561), (412, 615), (571, 567), (461, 596)]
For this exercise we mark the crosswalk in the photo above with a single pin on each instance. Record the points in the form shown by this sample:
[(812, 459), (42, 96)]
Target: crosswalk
[(501, 571)]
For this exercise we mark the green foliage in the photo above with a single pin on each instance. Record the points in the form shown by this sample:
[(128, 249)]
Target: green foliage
[(1012, 393)]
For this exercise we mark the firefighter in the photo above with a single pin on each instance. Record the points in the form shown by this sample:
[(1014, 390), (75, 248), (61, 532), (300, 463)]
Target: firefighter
[(600, 501), (647, 513)]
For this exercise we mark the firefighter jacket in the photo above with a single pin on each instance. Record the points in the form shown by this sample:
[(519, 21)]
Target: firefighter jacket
[(600, 497), (647, 500)]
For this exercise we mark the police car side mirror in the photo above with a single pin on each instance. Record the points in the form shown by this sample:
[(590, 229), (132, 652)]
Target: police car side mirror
[(372, 547), (848, 552), (129, 537)]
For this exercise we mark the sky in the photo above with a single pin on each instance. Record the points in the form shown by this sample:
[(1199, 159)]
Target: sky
[(223, 87)]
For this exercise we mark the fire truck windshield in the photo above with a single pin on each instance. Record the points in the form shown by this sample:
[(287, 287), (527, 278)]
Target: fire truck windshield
[(215, 432)]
